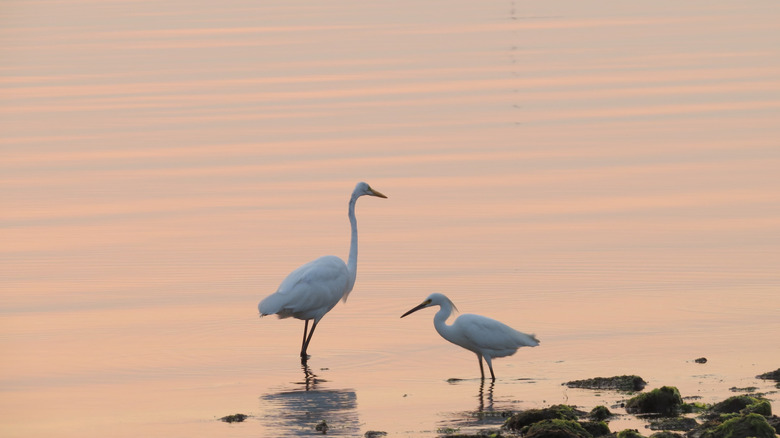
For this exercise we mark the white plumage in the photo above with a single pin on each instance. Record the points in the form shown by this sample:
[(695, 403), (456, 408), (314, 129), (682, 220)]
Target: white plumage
[(310, 291), (484, 336)]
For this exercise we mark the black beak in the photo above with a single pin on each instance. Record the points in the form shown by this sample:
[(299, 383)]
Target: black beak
[(421, 306)]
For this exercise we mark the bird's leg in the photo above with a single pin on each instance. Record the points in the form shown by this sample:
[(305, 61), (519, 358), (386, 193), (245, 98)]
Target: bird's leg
[(303, 342), (481, 370), (490, 365), (306, 344)]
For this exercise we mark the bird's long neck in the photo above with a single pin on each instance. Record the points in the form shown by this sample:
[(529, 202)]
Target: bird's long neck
[(353, 245), (440, 321)]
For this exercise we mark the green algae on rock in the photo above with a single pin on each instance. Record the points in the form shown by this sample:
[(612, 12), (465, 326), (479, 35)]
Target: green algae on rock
[(599, 413), (761, 408), (665, 400), (771, 375), (673, 423), (526, 418), (738, 403), (618, 383), (235, 418), (744, 426), (596, 428), (558, 421), (629, 433), (666, 434), (556, 428)]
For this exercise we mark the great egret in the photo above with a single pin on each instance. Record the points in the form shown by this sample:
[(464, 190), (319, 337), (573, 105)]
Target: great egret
[(310, 291), (486, 337)]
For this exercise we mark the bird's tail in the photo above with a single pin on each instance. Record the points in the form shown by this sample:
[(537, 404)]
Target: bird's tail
[(271, 304), (528, 340)]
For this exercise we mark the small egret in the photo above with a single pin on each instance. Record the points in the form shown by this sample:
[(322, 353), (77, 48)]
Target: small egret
[(310, 291), (486, 337)]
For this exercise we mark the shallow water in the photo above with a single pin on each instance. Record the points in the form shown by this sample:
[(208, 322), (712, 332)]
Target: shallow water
[(602, 174)]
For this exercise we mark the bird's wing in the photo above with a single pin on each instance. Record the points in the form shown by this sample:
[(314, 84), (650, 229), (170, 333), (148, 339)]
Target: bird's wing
[(312, 289), (491, 336)]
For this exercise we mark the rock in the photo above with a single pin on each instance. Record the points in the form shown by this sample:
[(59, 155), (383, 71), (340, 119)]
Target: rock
[(750, 425), (526, 418), (665, 400), (771, 375), (599, 413), (483, 433), (674, 423), (733, 405), (761, 408), (595, 428), (620, 383), (235, 418), (701, 360), (774, 421), (557, 421), (629, 433), (666, 434), (744, 389), (374, 434), (322, 427), (556, 428)]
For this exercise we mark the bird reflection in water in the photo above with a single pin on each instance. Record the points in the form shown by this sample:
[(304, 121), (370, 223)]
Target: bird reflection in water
[(310, 380), (302, 410), (481, 396), (485, 416)]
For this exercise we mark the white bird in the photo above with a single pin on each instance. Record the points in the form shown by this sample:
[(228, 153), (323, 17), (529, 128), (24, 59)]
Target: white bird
[(310, 291), (484, 336)]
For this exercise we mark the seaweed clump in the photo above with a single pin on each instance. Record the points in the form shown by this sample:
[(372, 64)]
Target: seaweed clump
[(629, 433), (771, 375), (740, 416), (666, 434), (618, 383), (665, 400), (556, 428), (744, 404), (750, 425), (557, 421), (673, 423), (235, 418), (599, 413), (531, 416)]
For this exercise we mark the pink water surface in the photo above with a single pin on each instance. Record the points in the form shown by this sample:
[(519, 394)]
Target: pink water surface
[(603, 174)]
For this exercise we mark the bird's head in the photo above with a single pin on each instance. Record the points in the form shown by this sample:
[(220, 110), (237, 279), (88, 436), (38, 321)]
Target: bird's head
[(364, 189), (434, 299)]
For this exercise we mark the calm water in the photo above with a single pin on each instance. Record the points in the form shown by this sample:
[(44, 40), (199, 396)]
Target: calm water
[(603, 174)]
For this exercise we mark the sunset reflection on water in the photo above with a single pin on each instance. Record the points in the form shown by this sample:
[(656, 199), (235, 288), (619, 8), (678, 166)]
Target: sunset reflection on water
[(602, 175)]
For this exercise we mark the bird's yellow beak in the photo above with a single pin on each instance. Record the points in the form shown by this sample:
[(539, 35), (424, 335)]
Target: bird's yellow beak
[(423, 305), (376, 193)]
